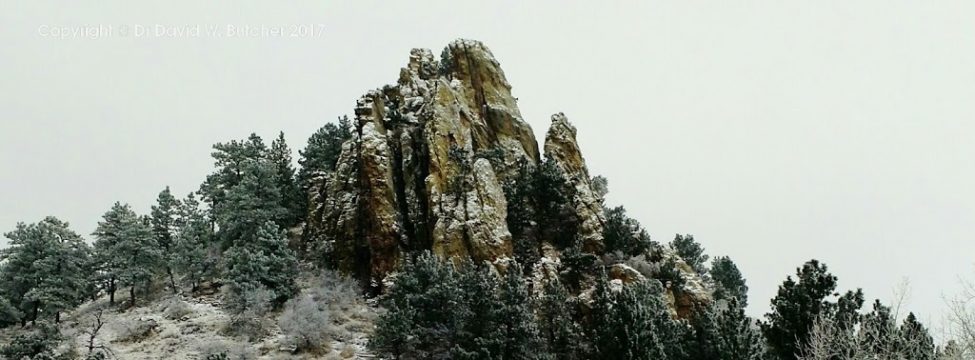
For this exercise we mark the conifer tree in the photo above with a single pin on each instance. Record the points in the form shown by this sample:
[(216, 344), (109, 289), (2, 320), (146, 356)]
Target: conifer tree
[(691, 251), (262, 259), (795, 309), (127, 251), (728, 281), (44, 270), (192, 244), (519, 191), (292, 197), (322, 152), (163, 220), (738, 338), (624, 234), (557, 222), (561, 334), (253, 201), (915, 340), (517, 329), (230, 159)]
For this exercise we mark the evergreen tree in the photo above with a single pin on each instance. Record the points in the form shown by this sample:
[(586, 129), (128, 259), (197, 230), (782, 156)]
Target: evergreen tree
[(253, 201), (728, 282), (561, 334), (624, 234), (163, 220), (262, 259), (916, 341), (127, 251), (517, 329), (691, 251), (292, 197), (738, 338), (519, 191), (635, 323), (44, 269), (795, 309), (322, 152), (230, 160), (192, 245), (557, 222)]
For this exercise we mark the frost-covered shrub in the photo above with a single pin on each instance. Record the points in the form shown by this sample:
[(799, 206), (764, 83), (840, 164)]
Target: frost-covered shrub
[(176, 309), (339, 292), (135, 330), (305, 324), (36, 344), (220, 350), (248, 308)]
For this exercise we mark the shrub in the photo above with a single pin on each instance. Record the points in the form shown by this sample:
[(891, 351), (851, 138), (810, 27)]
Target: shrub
[(305, 324), (36, 344), (176, 309), (248, 307), (221, 350), (135, 330)]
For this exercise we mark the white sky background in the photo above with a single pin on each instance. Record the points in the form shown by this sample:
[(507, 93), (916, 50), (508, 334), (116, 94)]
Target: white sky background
[(773, 131)]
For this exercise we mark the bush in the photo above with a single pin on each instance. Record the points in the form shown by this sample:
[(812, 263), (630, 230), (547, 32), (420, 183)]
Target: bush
[(305, 324), (37, 344), (248, 307), (135, 330), (176, 309), (227, 351)]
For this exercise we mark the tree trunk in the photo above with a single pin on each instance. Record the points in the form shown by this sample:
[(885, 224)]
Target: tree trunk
[(172, 279), (33, 317), (111, 291), (132, 296), (57, 317)]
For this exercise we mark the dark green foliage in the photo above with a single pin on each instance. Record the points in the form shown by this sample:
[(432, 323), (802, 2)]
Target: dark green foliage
[(438, 312), (562, 335), (126, 250), (262, 259), (728, 282), (37, 344), (916, 340), (230, 159), (795, 309), (322, 152), (253, 201), (557, 222), (624, 234), (879, 329), (44, 271), (293, 199), (691, 251), (635, 323), (163, 221), (576, 266), (519, 191), (737, 337), (846, 312), (192, 257)]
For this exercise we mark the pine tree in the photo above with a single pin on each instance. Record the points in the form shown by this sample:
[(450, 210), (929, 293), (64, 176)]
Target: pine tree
[(561, 334), (322, 152), (44, 269), (624, 234), (795, 309), (230, 159), (262, 259), (691, 251), (192, 244), (517, 329), (253, 201), (915, 340), (728, 281), (127, 251), (163, 220), (634, 323), (557, 222), (738, 338), (519, 191), (292, 197)]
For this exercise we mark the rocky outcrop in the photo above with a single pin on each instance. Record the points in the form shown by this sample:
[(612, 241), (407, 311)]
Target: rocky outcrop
[(562, 147), (425, 171), (425, 168)]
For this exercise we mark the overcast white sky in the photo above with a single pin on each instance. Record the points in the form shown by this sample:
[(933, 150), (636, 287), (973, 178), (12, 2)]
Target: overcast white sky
[(774, 131)]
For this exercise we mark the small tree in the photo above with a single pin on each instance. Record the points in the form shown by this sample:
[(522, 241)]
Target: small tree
[(691, 251), (127, 249), (164, 225), (263, 259), (795, 309), (728, 281)]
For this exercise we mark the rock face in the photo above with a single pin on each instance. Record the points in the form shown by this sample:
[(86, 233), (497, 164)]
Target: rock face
[(561, 146), (425, 168)]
